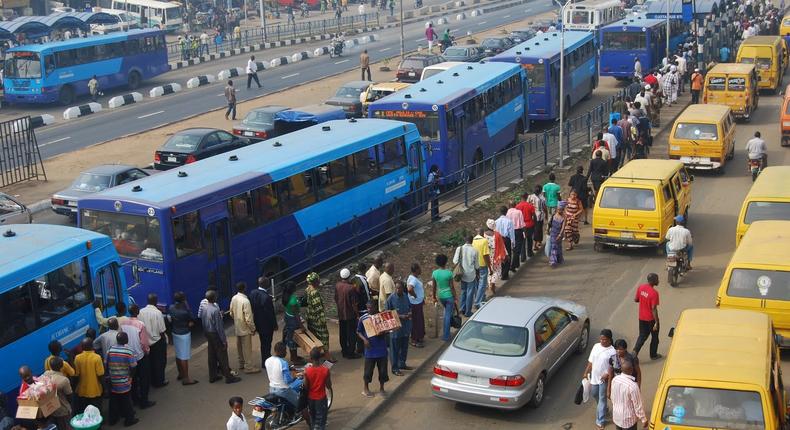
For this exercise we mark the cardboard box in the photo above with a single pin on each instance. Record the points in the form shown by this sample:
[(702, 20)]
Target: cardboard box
[(382, 322), (307, 340), (44, 406)]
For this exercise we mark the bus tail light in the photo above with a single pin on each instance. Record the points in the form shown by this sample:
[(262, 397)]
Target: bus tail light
[(507, 381), (445, 372), (190, 159), (601, 231), (652, 234)]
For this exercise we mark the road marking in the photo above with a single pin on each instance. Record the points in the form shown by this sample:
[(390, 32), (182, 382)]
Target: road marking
[(342, 61), (451, 31), (482, 22), (55, 141), (529, 9), (506, 16), (419, 40), (221, 95), (290, 76), (150, 114), (384, 50)]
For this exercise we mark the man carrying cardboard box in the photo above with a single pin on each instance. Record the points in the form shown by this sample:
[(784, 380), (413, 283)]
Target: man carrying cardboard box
[(375, 352)]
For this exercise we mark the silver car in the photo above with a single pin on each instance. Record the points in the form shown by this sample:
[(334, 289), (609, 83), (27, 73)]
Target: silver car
[(93, 180), (13, 211), (503, 356)]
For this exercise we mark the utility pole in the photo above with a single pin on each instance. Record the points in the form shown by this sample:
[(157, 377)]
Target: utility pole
[(562, 78), (668, 30), (263, 18), (402, 46)]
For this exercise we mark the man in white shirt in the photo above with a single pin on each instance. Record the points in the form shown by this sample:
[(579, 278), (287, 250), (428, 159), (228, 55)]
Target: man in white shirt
[(252, 72), (154, 322), (237, 420), (241, 312), (611, 140), (679, 238), (597, 371), (637, 69), (466, 255), (757, 150)]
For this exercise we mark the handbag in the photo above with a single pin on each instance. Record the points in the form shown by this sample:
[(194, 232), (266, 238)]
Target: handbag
[(455, 320), (458, 270), (579, 397)]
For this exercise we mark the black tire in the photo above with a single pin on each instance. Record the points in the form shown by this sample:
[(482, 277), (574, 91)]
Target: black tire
[(540, 392), (270, 422), (672, 276), (584, 339), (134, 80), (598, 247), (66, 95)]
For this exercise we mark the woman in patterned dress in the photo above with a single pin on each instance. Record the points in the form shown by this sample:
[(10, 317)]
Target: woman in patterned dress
[(316, 316), (556, 227), (573, 211)]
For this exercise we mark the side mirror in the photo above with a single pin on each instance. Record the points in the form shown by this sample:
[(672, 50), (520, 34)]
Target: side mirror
[(671, 332), (574, 317)]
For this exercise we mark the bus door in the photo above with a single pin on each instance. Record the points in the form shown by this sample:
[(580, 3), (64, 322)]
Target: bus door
[(417, 178), (107, 288), (218, 250)]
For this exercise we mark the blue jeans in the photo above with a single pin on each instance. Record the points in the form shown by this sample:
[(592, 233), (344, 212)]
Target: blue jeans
[(399, 349), (449, 308), (318, 411), (467, 297), (482, 286), (290, 394), (598, 392), (291, 324), (689, 251)]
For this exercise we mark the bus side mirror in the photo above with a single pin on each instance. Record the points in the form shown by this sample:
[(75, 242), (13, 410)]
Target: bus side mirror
[(671, 332)]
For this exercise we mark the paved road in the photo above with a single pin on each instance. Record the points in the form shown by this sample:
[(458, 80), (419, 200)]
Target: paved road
[(605, 282), (108, 125)]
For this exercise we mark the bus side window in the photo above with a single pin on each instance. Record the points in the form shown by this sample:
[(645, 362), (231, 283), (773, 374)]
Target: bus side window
[(186, 234), (107, 287), (296, 192), (62, 291), (266, 207), (66, 58), (240, 210), (392, 155), (49, 64), (17, 316)]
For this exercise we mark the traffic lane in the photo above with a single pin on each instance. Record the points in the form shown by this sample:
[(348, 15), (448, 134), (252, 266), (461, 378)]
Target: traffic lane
[(606, 282), (111, 124)]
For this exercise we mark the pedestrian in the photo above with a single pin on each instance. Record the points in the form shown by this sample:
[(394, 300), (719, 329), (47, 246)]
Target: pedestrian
[(467, 259), (430, 36), (626, 398), (364, 64), (619, 106), (504, 226), (184, 45), (552, 191), (375, 352), (386, 284), (106, 340), (612, 143), (218, 40), (237, 36), (578, 183), (399, 339), (120, 366), (481, 245), (155, 328), (141, 346), (538, 201), (498, 253), (648, 299), (244, 327), (671, 84), (89, 370), (629, 136), (181, 323), (597, 372), (621, 356), (252, 72), (230, 96), (362, 289), (237, 421), (56, 351), (517, 218), (392, 7), (316, 315), (416, 292), (444, 293), (93, 88), (637, 70), (195, 45), (317, 379), (361, 11), (62, 385), (434, 176), (696, 86), (619, 139), (347, 314), (264, 316), (293, 321), (373, 275), (598, 171), (556, 229), (217, 343), (573, 212)]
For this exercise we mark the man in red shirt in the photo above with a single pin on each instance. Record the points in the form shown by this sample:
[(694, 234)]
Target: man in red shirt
[(651, 79), (647, 297), (316, 380), (528, 211)]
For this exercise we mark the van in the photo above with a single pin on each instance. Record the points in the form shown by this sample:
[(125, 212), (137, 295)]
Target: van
[(758, 275), (733, 85), (439, 68), (767, 54), (784, 29), (636, 205), (784, 118), (768, 199), (377, 91), (703, 137), (723, 371)]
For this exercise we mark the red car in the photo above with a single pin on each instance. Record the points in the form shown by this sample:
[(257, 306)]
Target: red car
[(410, 69)]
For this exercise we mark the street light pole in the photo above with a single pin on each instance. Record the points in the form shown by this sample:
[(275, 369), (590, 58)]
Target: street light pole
[(562, 78), (668, 1), (402, 46), (263, 18)]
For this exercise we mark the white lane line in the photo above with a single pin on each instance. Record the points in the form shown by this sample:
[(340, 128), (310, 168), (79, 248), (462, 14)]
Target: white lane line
[(342, 61), (482, 22), (385, 49), (451, 31), (221, 95), (529, 9), (150, 114), (506, 16), (419, 40), (290, 76), (55, 141)]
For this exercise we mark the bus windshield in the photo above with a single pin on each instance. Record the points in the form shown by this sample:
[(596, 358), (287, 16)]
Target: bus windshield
[(427, 122), (622, 41), (22, 64), (759, 284), (713, 408), (759, 211), (628, 198), (134, 236), (172, 13), (580, 17), (536, 74), (688, 131)]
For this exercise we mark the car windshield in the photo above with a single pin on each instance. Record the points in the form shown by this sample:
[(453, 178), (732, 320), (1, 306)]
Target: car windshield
[(22, 65), (350, 92), (183, 142), (455, 52), (713, 408), (759, 284), (91, 182), (628, 198), (259, 118), (411, 64), (492, 339), (492, 43), (759, 211), (688, 131), (134, 236)]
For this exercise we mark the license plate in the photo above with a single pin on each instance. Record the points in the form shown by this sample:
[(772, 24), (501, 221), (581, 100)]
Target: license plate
[(249, 133), (172, 160), (472, 380), (626, 235), (672, 263), (412, 74), (258, 414)]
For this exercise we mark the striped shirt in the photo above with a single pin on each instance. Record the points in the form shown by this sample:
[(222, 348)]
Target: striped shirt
[(120, 361), (627, 406)]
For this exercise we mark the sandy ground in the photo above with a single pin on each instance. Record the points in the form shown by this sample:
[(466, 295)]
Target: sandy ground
[(139, 149)]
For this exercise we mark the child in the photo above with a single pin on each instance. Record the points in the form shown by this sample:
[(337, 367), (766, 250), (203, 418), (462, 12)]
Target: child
[(237, 420), (316, 381)]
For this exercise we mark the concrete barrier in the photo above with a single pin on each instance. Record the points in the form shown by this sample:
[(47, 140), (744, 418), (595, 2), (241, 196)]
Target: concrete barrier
[(230, 73), (460, 17), (165, 90), (441, 21), (459, 4), (34, 122), (124, 100), (476, 12), (299, 56), (324, 50), (199, 81), (81, 110), (280, 61)]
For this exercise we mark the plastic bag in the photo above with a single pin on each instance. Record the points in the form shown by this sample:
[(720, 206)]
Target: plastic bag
[(89, 418), (586, 390)]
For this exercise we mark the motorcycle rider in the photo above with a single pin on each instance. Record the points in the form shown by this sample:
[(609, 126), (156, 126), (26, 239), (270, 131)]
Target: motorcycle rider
[(447, 40), (337, 43), (281, 382), (757, 149), (679, 239)]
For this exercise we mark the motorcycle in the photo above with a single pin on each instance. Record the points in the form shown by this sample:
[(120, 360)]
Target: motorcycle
[(336, 49), (755, 167), (677, 266), (273, 412), (442, 45)]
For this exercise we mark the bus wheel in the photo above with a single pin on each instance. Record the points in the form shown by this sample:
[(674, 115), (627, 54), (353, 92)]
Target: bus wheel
[(66, 96), (134, 80), (276, 268)]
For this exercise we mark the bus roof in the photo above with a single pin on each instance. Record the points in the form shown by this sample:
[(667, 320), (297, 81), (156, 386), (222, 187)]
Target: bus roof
[(772, 183), (154, 3), (631, 23), (79, 42), (314, 112), (704, 113), (731, 68), (765, 243), (543, 46), (260, 163), (720, 345), (33, 243), (653, 170), (761, 40), (449, 85), (595, 4)]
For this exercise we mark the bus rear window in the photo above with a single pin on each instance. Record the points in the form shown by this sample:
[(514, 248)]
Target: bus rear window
[(759, 284), (713, 408), (622, 41), (134, 236), (22, 65), (773, 211), (763, 64), (580, 17), (736, 83), (688, 131), (628, 198), (716, 83), (536, 74), (427, 122)]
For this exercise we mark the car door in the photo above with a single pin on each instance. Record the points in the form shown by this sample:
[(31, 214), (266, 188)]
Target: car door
[(209, 146), (562, 324), (545, 345), (228, 141), (13, 212)]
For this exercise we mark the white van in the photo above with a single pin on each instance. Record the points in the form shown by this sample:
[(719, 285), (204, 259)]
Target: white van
[(125, 22), (438, 68)]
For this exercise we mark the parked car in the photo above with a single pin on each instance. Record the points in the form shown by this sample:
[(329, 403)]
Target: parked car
[(506, 352), (410, 69), (379, 91), (93, 180), (496, 45), (438, 68), (258, 124), (518, 36), (347, 97), (13, 211), (468, 53), (192, 144)]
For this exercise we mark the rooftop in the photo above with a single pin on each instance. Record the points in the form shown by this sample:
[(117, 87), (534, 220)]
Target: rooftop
[(765, 243)]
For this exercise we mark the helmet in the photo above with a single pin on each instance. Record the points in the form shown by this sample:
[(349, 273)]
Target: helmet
[(679, 219)]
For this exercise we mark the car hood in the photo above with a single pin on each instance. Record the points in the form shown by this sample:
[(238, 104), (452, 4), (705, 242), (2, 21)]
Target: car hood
[(72, 194), (485, 365), (342, 101)]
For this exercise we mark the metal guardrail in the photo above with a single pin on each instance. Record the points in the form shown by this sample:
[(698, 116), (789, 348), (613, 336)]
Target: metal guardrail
[(20, 158)]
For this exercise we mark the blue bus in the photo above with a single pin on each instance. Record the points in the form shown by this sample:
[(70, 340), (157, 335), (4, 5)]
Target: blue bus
[(60, 71), (280, 206), (540, 57), (485, 102), (50, 277), (640, 37)]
